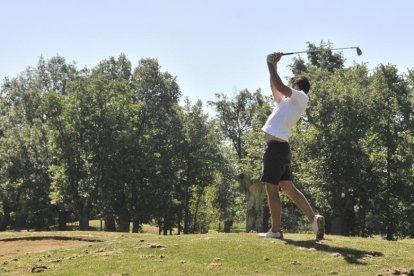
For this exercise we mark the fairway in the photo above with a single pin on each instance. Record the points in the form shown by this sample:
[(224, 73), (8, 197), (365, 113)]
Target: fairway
[(101, 253)]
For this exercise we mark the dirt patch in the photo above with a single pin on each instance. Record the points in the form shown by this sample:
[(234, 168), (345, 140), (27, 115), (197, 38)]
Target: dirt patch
[(21, 246)]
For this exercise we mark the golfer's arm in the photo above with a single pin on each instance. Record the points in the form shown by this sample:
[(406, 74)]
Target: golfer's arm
[(276, 94), (277, 83)]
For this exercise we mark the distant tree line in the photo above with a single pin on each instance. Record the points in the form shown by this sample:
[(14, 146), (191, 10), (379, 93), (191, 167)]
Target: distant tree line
[(109, 143), (115, 143)]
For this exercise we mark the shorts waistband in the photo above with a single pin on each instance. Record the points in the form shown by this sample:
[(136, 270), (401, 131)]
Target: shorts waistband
[(269, 137), (276, 142)]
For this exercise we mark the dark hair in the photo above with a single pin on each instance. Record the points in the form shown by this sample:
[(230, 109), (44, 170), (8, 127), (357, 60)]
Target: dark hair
[(302, 82)]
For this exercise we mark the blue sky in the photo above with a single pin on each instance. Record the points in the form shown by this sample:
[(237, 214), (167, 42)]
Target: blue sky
[(216, 46)]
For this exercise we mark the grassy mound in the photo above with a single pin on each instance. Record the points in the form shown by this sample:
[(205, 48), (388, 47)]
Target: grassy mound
[(213, 254)]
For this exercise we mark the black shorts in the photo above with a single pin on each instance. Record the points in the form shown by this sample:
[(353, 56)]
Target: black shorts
[(276, 162)]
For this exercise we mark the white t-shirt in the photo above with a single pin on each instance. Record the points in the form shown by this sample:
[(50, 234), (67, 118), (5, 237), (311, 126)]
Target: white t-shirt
[(286, 114)]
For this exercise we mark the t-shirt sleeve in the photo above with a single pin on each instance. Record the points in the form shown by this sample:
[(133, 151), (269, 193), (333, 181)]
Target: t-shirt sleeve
[(299, 97)]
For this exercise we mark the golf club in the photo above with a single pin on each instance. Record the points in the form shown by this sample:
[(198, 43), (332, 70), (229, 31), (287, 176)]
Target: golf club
[(359, 52)]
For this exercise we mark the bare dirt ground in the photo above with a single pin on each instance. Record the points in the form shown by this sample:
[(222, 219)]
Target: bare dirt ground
[(17, 243), (16, 247)]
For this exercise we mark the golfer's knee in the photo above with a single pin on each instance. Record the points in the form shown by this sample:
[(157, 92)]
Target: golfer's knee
[(286, 185), (271, 188), (288, 188)]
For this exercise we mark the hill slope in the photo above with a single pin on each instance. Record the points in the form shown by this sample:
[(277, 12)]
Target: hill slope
[(209, 254)]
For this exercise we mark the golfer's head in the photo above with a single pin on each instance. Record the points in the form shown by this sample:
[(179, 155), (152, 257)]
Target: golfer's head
[(300, 83)]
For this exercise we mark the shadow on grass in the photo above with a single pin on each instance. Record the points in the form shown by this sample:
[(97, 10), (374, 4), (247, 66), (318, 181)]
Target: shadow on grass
[(58, 238), (352, 256)]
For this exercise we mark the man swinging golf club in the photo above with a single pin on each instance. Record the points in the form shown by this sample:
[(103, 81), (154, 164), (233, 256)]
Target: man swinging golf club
[(291, 103)]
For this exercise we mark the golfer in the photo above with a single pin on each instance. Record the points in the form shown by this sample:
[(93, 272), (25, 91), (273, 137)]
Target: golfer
[(291, 103)]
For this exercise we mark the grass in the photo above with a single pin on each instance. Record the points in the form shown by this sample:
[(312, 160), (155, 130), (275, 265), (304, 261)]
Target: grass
[(213, 254)]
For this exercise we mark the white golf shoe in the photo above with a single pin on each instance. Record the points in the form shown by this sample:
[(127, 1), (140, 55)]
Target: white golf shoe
[(272, 235)]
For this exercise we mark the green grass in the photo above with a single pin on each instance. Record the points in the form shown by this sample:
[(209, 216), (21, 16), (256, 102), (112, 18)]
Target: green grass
[(214, 254)]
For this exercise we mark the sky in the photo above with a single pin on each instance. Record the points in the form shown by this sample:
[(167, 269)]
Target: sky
[(211, 46)]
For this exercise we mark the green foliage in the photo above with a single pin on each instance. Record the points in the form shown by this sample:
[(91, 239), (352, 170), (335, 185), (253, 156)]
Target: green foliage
[(205, 169), (236, 116), (252, 161), (350, 150), (108, 142), (24, 155), (113, 142), (239, 120)]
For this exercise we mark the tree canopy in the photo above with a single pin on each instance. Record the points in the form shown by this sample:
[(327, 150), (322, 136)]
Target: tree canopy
[(115, 143)]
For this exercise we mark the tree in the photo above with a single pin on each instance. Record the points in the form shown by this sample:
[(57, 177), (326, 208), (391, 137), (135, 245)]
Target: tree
[(73, 185), (391, 136), (236, 117), (322, 57), (159, 132), (110, 110), (25, 160), (348, 146), (339, 111), (202, 160)]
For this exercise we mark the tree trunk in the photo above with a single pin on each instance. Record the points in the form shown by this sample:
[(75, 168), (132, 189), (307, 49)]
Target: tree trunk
[(62, 219), (110, 224), (20, 221), (166, 225), (179, 228), (136, 226), (228, 223), (196, 209), (5, 219), (124, 219), (255, 193), (389, 188), (186, 213), (165, 230), (160, 226), (84, 217), (337, 226), (343, 219)]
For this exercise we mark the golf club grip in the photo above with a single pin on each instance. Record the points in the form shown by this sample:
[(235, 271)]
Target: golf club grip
[(293, 53)]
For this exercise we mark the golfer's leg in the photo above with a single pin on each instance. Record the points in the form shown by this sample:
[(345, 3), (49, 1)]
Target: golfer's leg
[(275, 206), (298, 198)]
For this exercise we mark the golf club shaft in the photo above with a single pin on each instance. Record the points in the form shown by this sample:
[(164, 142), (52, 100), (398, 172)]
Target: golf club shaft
[(359, 52)]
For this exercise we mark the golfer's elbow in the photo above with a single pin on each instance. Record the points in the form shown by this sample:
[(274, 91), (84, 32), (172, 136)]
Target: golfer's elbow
[(286, 91), (279, 86)]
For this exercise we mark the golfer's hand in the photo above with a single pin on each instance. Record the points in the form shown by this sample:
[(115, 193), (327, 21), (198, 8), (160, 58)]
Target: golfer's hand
[(274, 58)]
